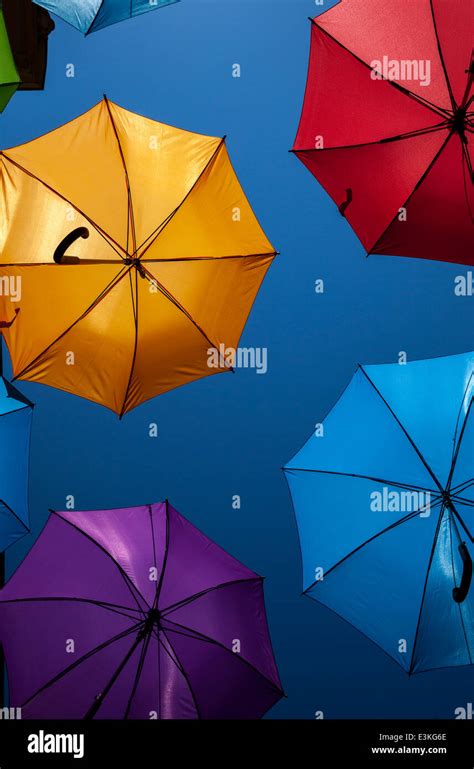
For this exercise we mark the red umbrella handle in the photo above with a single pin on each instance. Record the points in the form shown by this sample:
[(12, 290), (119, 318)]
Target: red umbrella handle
[(460, 593), (347, 201)]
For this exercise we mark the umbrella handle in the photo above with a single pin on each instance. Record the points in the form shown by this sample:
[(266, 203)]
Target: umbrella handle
[(460, 593), (346, 202), (79, 232)]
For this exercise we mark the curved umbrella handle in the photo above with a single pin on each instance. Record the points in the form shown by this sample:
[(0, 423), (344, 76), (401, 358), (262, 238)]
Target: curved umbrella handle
[(79, 232), (9, 323), (346, 202), (460, 593)]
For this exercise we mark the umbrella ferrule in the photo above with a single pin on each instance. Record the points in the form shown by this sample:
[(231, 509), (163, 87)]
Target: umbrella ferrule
[(447, 502), (134, 261), (459, 122), (153, 619)]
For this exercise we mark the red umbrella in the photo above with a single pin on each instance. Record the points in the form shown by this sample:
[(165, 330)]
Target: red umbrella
[(387, 123)]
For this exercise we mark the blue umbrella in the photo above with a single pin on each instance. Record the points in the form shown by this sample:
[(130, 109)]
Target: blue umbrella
[(15, 426), (383, 493), (90, 15)]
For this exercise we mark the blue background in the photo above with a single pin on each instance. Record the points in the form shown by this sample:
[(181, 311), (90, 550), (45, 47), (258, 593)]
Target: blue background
[(231, 434)]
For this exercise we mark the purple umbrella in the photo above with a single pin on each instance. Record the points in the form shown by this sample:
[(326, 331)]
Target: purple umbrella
[(134, 613)]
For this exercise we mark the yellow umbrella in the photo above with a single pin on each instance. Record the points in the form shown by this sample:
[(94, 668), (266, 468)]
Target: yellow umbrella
[(167, 267)]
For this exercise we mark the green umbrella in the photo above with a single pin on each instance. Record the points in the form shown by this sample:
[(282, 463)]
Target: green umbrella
[(9, 77)]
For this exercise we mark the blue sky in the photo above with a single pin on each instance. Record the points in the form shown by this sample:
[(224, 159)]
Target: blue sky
[(231, 434)]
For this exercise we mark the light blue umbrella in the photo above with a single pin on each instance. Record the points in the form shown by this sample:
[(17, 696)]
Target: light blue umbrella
[(15, 425), (383, 493), (15, 428), (90, 15)]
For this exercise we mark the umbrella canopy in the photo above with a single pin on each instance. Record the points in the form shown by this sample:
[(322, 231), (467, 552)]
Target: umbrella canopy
[(28, 27), (165, 256), (9, 77), (387, 123), (15, 426), (384, 500), (134, 613), (90, 15)]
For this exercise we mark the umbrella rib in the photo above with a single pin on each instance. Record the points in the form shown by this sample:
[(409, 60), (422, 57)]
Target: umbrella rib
[(467, 158), (355, 627), (399, 137), (419, 99), (181, 669), (67, 599), (165, 555), (420, 455), (157, 232), (105, 291), (186, 601), (108, 239), (159, 674), (94, 19), (135, 343), (2, 501), (394, 525), (456, 443), (81, 263), (130, 214), (433, 549), (461, 521), (99, 700), (155, 563), (457, 446), (207, 258), (125, 576), (141, 662), (462, 486), (362, 477), (467, 90), (462, 500), (197, 636), (415, 188), (78, 662), (451, 523), (441, 57)]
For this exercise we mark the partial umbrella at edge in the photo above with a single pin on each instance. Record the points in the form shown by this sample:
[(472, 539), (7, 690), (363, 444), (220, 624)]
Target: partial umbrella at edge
[(383, 495), (91, 15), (15, 427), (387, 123), (138, 253), (9, 77), (135, 614)]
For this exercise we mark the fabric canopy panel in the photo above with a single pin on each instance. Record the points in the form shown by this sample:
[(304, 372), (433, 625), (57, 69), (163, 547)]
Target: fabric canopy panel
[(166, 271), (91, 15), (388, 121)]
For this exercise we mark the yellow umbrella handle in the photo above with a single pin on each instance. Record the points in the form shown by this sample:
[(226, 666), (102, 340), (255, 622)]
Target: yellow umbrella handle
[(60, 253)]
